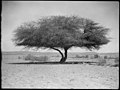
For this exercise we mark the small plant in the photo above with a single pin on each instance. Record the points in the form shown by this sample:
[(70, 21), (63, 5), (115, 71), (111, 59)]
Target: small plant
[(86, 56), (96, 56), (19, 57), (105, 57), (101, 62)]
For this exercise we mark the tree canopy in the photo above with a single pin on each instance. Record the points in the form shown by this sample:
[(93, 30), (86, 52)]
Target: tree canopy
[(61, 32)]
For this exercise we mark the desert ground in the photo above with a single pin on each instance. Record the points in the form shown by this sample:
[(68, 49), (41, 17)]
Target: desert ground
[(19, 73)]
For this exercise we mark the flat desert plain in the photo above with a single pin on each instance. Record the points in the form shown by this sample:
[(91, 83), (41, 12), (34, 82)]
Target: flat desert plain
[(56, 76)]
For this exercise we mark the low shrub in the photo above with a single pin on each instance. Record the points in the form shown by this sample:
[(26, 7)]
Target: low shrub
[(86, 56), (111, 57), (101, 62), (77, 56), (34, 58), (91, 57), (42, 58), (105, 57), (96, 56), (117, 61), (19, 57)]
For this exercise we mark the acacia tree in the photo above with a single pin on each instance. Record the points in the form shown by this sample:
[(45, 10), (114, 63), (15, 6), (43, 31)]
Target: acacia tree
[(61, 32)]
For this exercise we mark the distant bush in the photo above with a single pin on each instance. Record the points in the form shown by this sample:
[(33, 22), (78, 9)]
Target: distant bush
[(77, 56), (42, 58), (111, 57), (86, 56), (117, 61), (91, 57), (29, 57), (55, 56), (34, 58), (105, 57), (101, 62), (19, 57), (96, 56)]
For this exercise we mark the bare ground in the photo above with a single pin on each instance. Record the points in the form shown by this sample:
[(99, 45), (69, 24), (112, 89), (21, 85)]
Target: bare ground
[(76, 76)]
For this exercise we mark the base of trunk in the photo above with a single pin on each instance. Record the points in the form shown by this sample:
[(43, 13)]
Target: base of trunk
[(62, 60)]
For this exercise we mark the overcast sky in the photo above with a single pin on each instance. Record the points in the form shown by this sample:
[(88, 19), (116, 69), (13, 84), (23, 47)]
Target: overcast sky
[(14, 13)]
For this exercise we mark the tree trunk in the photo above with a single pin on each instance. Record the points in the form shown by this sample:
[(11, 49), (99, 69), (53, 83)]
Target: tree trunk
[(63, 59)]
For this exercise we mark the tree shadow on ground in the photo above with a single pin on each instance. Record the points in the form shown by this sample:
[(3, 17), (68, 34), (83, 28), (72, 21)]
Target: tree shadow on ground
[(56, 63), (53, 63)]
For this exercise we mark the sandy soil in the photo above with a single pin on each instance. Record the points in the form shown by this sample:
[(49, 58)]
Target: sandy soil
[(76, 76)]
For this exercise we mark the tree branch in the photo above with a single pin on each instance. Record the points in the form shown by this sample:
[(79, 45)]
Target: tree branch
[(58, 51)]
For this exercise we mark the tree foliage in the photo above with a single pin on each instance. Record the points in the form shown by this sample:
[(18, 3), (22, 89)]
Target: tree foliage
[(61, 32)]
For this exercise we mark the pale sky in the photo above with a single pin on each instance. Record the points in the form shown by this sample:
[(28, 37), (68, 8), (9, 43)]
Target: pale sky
[(14, 13)]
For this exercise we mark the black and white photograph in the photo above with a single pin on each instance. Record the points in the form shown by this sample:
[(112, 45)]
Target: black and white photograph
[(60, 44)]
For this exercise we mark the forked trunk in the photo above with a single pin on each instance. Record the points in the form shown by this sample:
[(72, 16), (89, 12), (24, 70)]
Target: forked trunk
[(63, 59)]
